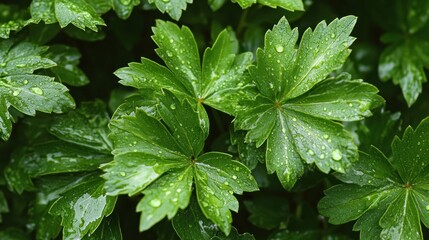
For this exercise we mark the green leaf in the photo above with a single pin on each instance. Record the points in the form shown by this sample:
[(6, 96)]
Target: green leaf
[(404, 63), (268, 211), (124, 8), (161, 158), (109, 229), (219, 81), (216, 4), (165, 196), (86, 126), (174, 8), (290, 5), (13, 234), (23, 90), (12, 19), (3, 205), (245, 3), (67, 70), (296, 104), (388, 197), (248, 154), (83, 208), (78, 12), (191, 224)]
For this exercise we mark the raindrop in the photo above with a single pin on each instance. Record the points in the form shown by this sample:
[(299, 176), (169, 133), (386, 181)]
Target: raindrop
[(155, 202), (178, 190), (237, 169), (226, 183), (294, 119), (174, 199), (427, 207), (322, 156), (279, 48), (205, 204), (169, 54), (173, 106), (283, 130), (337, 155), (234, 177), (122, 174), (21, 65), (310, 152), (333, 35), (16, 92), (25, 82), (325, 136), (37, 90)]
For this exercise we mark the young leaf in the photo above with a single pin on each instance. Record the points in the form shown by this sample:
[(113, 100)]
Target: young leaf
[(296, 104), (124, 8), (162, 158), (77, 12), (389, 198), (22, 89), (404, 63), (174, 8), (219, 81)]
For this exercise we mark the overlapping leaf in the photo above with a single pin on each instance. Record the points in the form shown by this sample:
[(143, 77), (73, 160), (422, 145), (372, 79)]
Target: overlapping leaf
[(67, 70), (161, 158), (388, 198), (79, 13), (174, 8), (290, 5), (64, 171), (12, 19), (219, 81), (191, 224), (23, 90), (296, 104)]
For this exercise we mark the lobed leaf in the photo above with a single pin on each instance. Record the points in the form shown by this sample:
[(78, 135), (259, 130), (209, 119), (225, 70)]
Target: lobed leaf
[(388, 197), (174, 8), (79, 13), (296, 104), (22, 89)]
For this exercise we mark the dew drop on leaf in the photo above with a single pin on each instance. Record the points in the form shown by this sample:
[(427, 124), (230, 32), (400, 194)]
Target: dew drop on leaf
[(310, 152), (279, 48), (234, 177), (37, 90), (155, 202), (16, 92), (173, 106), (427, 207), (337, 155)]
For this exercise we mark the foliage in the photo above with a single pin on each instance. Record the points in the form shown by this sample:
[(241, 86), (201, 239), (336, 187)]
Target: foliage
[(214, 97)]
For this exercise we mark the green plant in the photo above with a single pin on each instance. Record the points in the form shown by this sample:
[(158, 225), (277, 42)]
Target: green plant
[(226, 93)]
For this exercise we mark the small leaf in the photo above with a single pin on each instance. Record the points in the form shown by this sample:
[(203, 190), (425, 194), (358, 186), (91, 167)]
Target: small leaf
[(83, 208), (124, 8), (174, 8), (290, 5)]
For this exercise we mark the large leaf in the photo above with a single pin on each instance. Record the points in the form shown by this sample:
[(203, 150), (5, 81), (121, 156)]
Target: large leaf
[(78, 12), (22, 89), (12, 19), (389, 198), (219, 81), (161, 158), (296, 104)]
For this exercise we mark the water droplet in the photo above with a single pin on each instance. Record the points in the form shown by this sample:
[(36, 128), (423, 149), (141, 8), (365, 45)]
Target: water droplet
[(325, 136), (37, 90), (20, 65), (174, 199), (122, 174), (173, 106), (294, 119), (178, 190), (167, 193), (279, 48), (350, 105), (234, 177), (332, 35), (205, 204), (271, 85), (16, 92), (155, 202), (427, 207), (226, 183), (337, 155), (322, 156), (310, 152), (283, 130)]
